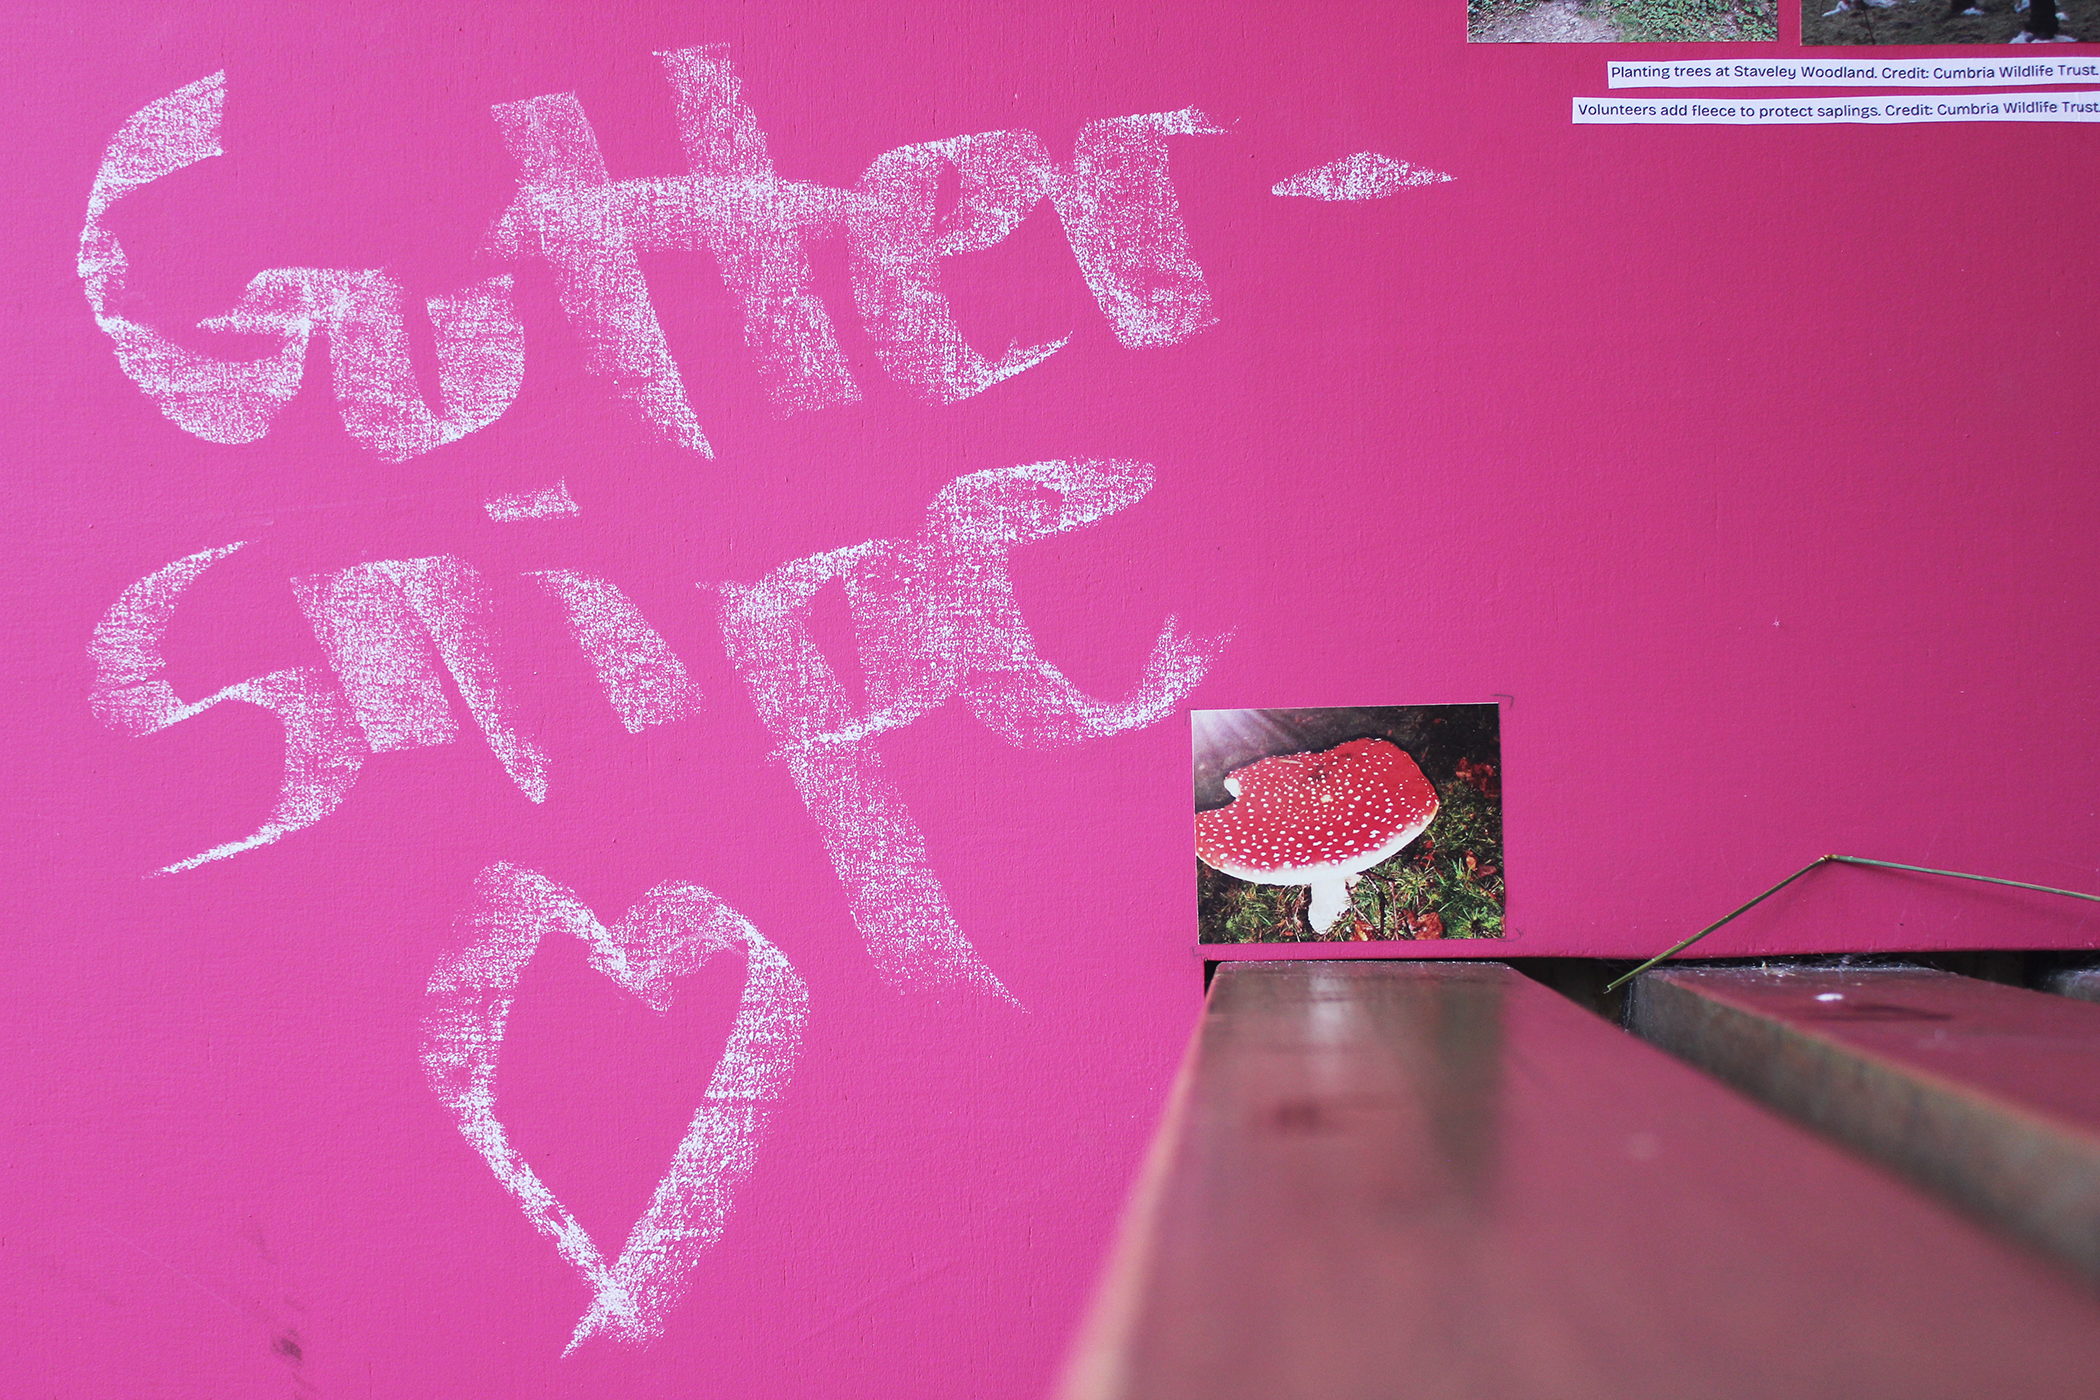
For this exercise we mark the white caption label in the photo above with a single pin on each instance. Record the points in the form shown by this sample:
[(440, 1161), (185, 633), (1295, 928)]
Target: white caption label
[(1920, 72), (1816, 111)]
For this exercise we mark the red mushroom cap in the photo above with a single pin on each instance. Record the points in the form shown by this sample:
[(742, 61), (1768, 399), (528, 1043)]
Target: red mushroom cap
[(1303, 817)]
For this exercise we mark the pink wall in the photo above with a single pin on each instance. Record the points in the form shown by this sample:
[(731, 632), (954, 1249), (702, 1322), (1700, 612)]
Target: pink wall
[(1749, 467)]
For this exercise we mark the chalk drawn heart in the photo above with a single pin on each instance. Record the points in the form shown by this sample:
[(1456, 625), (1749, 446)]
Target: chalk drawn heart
[(670, 932)]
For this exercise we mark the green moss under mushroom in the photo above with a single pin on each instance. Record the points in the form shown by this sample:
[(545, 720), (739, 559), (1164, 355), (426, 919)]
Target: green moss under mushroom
[(1453, 871)]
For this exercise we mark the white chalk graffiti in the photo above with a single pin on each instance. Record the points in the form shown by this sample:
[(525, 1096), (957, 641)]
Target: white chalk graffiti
[(669, 933), (935, 614), (897, 246), (480, 344), (642, 678), (546, 503), (1365, 175), (1124, 222), (1114, 198), (876, 849), (480, 351), (323, 749), (386, 625), (935, 619), (217, 399)]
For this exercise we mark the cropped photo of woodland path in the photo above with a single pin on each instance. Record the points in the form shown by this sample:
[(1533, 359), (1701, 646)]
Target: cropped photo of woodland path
[(1939, 21), (1621, 21)]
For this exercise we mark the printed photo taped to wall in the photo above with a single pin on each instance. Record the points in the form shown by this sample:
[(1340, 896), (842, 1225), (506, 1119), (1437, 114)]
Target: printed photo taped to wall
[(1348, 824), (1860, 22), (1624, 21)]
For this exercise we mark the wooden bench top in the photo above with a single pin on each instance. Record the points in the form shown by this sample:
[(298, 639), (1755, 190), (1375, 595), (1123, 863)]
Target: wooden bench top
[(1986, 1093), (1406, 1178)]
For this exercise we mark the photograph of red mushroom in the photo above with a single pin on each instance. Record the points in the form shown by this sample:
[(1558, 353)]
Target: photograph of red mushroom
[(1349, 824)]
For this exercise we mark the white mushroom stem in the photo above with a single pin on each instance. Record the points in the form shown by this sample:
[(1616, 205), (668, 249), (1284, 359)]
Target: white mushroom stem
[(1330, 900)]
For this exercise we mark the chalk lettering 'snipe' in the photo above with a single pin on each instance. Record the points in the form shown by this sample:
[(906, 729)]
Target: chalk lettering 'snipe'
[(935, 619)]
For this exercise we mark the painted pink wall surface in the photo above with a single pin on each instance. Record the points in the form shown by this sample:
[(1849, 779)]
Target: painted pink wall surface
[(1748, 467)]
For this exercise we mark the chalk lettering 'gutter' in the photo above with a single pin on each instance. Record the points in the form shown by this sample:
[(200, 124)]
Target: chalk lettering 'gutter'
[(1114, 198)]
